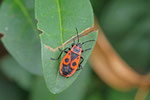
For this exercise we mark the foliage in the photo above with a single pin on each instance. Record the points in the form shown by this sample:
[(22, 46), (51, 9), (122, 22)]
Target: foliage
[(59, 20), (27, 73)]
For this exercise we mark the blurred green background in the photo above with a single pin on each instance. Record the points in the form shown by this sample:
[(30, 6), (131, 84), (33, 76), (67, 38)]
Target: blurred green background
[(126, 23)]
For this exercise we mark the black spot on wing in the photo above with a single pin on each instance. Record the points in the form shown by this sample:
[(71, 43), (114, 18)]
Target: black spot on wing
[(66, 60), (74, 64), (73, 56), (66, 69)]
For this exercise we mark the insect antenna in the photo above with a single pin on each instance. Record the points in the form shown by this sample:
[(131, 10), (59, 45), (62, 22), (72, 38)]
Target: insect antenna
[(87, 41), (77, 34)]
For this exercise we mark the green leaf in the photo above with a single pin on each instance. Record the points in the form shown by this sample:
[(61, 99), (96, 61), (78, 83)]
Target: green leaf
[(117, 95), (77, 91), (14, 72), (126, 24), (148, 96), (135, 47), (9, 91), (57, 19), (20, 36), (40, 92), (95, 96)]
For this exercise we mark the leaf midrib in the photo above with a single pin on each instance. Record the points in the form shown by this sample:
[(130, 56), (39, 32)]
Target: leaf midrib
[(61, 33), (26, 14), (60, 20)]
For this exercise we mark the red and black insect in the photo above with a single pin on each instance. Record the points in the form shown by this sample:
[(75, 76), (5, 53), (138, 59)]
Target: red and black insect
[(71, 61)]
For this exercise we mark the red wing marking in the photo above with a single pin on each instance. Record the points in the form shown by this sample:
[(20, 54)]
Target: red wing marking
[(75, 63)]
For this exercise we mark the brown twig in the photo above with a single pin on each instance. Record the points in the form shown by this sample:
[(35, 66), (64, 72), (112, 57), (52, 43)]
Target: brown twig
[(83, 33), (112, 69)]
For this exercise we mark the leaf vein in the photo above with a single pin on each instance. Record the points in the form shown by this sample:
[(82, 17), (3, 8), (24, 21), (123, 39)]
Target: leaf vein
[(26, 14), (60, 21)]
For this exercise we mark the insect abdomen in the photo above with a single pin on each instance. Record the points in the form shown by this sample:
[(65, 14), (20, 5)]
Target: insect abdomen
[(66, 69)]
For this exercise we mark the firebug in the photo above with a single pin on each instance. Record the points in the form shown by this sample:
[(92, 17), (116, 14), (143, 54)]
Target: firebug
[(71, 61)]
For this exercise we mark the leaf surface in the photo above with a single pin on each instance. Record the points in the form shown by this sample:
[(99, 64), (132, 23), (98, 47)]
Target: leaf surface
[(16, 73), (58, 20), (21, 38), (77, 91)]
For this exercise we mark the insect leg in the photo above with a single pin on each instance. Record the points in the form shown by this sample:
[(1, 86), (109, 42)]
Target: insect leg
[(77, 34), (82, 59), (86, 49), (73, 43), (64, 50), (87, 41), (61, 53), (80, 66)]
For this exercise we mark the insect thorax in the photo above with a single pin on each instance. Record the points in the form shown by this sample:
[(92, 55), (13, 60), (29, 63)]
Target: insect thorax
[(76, 50)]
